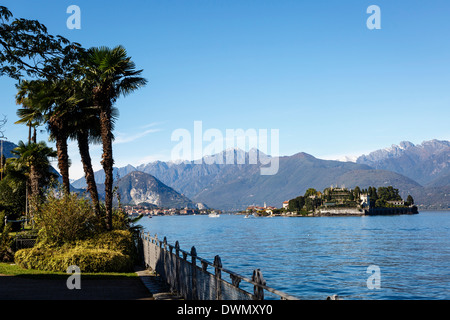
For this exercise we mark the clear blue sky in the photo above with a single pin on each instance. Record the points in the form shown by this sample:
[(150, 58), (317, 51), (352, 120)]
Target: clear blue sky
[(311, 69)]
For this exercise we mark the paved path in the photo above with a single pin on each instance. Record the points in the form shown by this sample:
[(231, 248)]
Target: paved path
[(158, 289), (145, 287)]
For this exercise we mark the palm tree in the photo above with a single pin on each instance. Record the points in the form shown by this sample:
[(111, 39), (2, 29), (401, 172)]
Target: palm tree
[(111, 74), (34, 158), (54, 102), (30, 114), (85, 130), (60, 111)]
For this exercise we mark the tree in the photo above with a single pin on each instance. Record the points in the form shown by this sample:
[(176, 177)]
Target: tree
[(51, 102), (111, 74), (27, 48), (357, 192), (85, 130), (296, 204), (60, 111), (389, 194), (13, 189), (30, 114), (3, 122), (410, 200), (309, 204), (351, 196), (380, 203), (310, 192), (2, 136), (34, 158)]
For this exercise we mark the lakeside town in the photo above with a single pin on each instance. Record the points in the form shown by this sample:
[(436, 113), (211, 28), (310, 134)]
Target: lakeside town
[(332, 201), (138, 210)]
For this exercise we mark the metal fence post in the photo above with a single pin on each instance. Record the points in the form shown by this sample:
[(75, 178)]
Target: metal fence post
[(258, 292), (165, 260), (218, 276), (148, 257), (156, 250), (177, 267), (194, 273)]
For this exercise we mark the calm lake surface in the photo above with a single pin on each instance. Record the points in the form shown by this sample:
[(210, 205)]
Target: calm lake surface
[(314, 257)]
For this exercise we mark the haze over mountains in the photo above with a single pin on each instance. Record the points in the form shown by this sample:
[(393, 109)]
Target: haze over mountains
[(422, 171)]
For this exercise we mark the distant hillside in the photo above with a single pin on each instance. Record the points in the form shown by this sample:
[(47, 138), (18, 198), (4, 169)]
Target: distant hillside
[(139, 187), (100, 176), (434, 198), (379, 178), (7, 148)]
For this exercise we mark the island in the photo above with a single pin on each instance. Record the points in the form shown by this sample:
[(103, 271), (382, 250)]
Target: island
[(340, 201)]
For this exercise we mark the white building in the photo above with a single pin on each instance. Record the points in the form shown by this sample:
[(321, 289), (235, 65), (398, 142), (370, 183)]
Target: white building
[(365, 200), (397, 203)]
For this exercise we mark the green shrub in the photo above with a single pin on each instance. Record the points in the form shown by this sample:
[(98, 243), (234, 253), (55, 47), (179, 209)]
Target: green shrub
[(2, 219), (67, 218), (71, 234), (93, 260), (118, 240), (34, 258), (105, 252), (88, 260), (6, 253)]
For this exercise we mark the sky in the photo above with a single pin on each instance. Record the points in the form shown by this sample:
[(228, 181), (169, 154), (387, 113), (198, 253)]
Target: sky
[(312, 70)]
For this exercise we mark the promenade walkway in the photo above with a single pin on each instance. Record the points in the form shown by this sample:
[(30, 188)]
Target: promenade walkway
[(145, 287)]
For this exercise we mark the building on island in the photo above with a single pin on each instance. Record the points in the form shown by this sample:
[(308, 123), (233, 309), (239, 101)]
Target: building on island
[(365, 200), (397, 203)]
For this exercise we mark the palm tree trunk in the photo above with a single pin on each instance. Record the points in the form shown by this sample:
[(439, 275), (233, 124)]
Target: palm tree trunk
[(107, 161), (83, 146), (63, 161), (34, 187), (29, 132), (34, 135)]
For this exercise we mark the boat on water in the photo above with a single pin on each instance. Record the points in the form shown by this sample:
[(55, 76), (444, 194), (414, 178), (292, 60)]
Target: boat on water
[(214, 215)]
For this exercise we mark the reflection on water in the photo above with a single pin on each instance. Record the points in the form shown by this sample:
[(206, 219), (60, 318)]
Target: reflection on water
[(312, 258)]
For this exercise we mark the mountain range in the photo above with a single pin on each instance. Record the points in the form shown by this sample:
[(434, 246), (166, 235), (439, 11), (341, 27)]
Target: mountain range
[(420, 170), (139, 187), (426, 163)]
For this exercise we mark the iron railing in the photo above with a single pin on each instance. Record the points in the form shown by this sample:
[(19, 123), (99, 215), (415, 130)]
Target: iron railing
[(188, 274)]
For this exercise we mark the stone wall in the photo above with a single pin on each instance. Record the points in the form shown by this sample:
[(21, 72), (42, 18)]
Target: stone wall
[(340, 212)]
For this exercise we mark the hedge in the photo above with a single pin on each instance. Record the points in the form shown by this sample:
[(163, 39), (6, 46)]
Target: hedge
[(106, 252)]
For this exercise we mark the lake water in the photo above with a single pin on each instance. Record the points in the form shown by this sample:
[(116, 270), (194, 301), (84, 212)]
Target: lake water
[(314, 257)]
